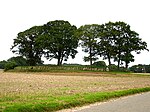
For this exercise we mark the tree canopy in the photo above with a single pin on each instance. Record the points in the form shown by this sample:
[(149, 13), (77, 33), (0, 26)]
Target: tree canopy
[(88, 35), (118, 41), (25, 45), (59, 40)]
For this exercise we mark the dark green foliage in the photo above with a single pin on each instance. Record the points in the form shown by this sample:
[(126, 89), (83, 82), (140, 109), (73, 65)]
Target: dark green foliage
[(13, 62), (100, 63), (10, 65), (59, 40), (2, 64), (123, 69), (25, 45), (137, 68), (106, 44), (118, 41), (88, 35), (113, 67), (19, 60), (140, 68), (146, 68)]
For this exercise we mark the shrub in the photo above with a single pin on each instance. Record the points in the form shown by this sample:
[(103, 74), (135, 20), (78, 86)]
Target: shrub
[(2, 64), (100, 63), (10, 65), (19, 60), (123, 69), (113, 67)]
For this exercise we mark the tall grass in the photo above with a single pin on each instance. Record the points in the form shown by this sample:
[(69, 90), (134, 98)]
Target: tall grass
[(54, 103)]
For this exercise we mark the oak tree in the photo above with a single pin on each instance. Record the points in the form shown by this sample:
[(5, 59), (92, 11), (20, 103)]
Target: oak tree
[(25, 45), (59, 40)]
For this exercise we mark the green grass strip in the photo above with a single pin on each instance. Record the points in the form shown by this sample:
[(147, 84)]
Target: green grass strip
[(64, 102)]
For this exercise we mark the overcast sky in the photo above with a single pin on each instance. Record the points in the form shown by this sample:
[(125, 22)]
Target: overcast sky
[(19, 15)]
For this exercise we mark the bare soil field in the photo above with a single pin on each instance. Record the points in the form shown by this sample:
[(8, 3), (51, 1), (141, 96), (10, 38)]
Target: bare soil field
[(16, 84)]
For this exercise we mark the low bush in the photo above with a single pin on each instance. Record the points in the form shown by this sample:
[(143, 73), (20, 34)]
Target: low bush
[(113, 67), (9, 65)]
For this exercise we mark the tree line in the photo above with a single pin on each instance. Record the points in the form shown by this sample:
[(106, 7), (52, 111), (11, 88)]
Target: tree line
[(140, 68), (59, 40)]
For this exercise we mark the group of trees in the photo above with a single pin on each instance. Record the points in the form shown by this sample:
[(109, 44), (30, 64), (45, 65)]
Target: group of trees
[(111, 41), (55, 39), (13, 62), (59, 39), (140, 68)]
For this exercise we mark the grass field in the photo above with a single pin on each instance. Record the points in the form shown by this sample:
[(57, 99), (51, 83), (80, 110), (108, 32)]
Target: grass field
[(27, 92)]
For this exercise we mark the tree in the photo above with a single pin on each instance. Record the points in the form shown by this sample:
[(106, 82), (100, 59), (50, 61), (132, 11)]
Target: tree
[(25, 45), (59, 40), (88, 35), (139, 68), (118, 33), (118, 41), (105, 47), (132, 44), (128, 42)]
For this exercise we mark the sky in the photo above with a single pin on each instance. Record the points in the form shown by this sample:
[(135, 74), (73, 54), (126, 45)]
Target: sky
[(19, 15)]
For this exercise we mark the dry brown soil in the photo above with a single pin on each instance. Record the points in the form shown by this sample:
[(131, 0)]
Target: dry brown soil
[(67, 83)]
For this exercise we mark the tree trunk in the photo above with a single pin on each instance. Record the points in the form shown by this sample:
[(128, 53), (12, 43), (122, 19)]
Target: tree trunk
[(127, 65), (119, 61), (59, 58), (90, 56), (58, 62), (109, 61), (31, 60), (126, 60)]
